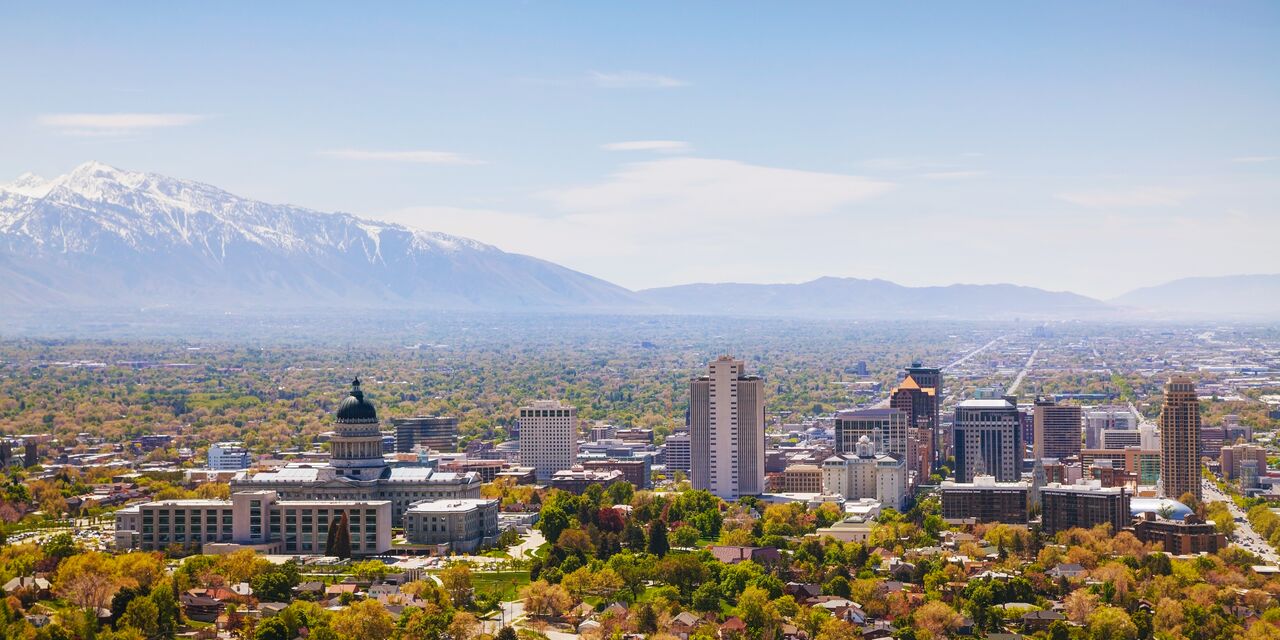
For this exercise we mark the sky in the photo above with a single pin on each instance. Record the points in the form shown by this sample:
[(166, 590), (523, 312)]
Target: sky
[(1085, 146)]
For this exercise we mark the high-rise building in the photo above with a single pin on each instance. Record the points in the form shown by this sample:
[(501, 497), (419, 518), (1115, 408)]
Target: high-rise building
[(984, 500), (1085, 504), (1056, 429), (988, 440), (887, 429), (548, 437), (438, 433), (677, 452), (1180, 439), (919, 395), (1099, 418), (726, 430)]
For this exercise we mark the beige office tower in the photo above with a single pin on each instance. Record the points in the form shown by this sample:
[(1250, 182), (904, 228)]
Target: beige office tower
[(1180, 439), (726, 430), (1056, 430), (548, 437)]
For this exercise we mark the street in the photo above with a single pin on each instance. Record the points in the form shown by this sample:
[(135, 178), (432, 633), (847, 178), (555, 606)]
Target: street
[(1244, 534)]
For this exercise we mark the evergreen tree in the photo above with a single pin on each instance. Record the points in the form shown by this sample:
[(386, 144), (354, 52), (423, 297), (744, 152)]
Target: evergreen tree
[(338, 542), (633, 536), (659, 545)]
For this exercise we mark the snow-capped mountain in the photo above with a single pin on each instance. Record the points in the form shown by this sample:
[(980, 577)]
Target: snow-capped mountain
[(100, 235)]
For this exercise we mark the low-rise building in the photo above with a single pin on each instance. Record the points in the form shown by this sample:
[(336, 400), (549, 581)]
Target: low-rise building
[(577, 479), (1188, 536), (798, 478), (984, 500), (464, 525), (259, 520), (228, 456)]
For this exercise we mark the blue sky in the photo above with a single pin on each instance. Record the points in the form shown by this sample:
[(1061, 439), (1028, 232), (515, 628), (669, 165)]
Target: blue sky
[(1092, 147)]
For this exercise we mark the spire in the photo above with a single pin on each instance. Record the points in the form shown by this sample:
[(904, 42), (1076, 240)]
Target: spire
[(355, 388)]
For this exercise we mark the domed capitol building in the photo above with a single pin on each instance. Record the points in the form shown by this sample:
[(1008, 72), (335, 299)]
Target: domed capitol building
[(357, 471)]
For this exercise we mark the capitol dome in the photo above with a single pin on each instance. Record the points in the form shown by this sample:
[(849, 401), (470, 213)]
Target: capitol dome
[(355, 409)]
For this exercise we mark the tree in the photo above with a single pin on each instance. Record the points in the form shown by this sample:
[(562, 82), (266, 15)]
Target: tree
[(553, 520), (837, 586), (168, 610), (706, 598), (364, 620), (684, 536), (338, 542), (506, 633), (836, 629), (633, 536), (141, 614), (463, 626), (272, 628), (542, 599), (1078, 605), (659, 545), (59, 545), (241, 566), (937, 618), (369, 570), (646, 619), (1111, 623), (456, 579), (276, 584), (761, 616)]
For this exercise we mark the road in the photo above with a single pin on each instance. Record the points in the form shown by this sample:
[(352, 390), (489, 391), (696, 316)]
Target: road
[(1017, 382), (881, 404), (1244, 535)]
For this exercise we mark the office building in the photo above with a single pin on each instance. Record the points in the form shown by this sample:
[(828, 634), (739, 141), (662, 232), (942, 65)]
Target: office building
[(548, 437), (576, 479), (984, 500), (437, 433), (1180, 439), (1121, 438), (1056, 429), (726, 430), (678, 452), (888, 429), (987, 440), (920, 396), (1084, 504), (462, 525), (637, 470), (356, 469), (866, 473), (798, 478), (228, 456), (257, 520), (1099, 418), (1234, 456)]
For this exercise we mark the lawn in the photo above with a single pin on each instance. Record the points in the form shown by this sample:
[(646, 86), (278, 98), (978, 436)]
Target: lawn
[(506, 584)]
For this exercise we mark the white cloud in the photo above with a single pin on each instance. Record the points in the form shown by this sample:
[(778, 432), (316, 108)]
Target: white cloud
[(1254, 159), (419, 157), (662, 146), (678, 189), (114, 124), (952, 175), (1130, 197), (634, 80)]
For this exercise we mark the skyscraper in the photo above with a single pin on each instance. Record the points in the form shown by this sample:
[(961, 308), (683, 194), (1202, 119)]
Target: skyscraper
[(920, 396), (1056, 429), (988, 440), (726, 430), (1180, 439), (548, 437)]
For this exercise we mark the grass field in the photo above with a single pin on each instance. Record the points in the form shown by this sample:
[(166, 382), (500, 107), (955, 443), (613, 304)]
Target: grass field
[(506, 584)]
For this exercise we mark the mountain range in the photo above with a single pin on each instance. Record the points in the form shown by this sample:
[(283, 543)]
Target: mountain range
[(103, 237)]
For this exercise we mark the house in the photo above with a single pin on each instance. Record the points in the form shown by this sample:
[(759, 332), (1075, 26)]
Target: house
[(313, 588), (39, 585), (734, 627), (336, 590), (200, 607), (877, 630), (1068, 571), (683, 624), (765, 556), (37, 620), (270, 609), (1040, 620), (802, 591)]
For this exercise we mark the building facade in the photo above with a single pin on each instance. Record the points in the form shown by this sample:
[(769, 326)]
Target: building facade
[(1056, 429), (920, 396), (678, 452), (1180, 537), (548, 437), (228, 456), (438, 433), (799, 478), (257, 520), (865, 473), (1180, 439), (464, 525), (726, 430), (984, 500), (988, 440), (1084, 504), (888, 429)]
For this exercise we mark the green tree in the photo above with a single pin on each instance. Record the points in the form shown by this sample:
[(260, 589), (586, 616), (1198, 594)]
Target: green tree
[(1111, 623), (272, 629), (659, 545), (553, 520), (141, 614)]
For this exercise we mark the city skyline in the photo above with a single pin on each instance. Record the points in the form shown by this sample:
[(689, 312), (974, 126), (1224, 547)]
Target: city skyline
[(1079, 145)]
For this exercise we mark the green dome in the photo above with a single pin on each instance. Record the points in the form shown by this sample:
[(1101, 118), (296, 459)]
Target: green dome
[(355, 409)]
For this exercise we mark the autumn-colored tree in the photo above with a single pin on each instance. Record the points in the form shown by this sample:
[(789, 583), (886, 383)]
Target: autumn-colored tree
[(936, 618), (456, 580), (546, 600), (363, 620)]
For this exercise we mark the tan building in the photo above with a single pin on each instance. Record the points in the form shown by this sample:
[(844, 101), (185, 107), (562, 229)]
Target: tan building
[(1056, 429), (463, 525), (258, 520), (888, 429), (548, 437), (1180, 439), (799, 478), (726, 430), (1180, 537), (1234, 456), (865, 473)]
